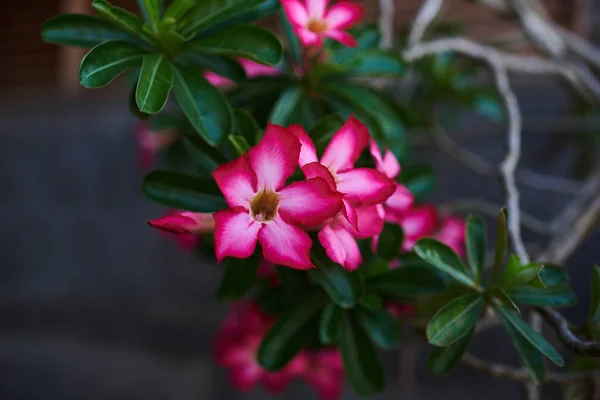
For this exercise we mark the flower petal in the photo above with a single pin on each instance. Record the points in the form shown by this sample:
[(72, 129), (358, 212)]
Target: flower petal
[(388, 164), (328, 384), (276, 382), (453, 233), (235, 233), (275, 157), (254, 69), (344, 14), (346, 145), (217, 80), (285, 244), (318, 170), (340, 247), (185, 223), (349, 213), (417, 223), (237, 181), (316, 8), (308, 38), (343, 37), (246, 377), (365, 186), (295, 12), (308, 152), (369, 221), (401, 200), (309, 203)]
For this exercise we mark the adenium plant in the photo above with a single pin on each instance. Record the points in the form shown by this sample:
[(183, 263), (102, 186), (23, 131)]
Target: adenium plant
[(292, 171)]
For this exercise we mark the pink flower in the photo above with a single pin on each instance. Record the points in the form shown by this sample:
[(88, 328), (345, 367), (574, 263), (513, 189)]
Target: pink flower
[(313, 22), (263, 209), (400, 310), (151, 142), (402, 199), (452, 233), (252, 68), (325, 373), (418, 222), (361, 187), (236, 345), (185, 222)]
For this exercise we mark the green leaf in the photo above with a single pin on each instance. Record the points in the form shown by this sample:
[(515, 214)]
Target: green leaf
[(443, 359), (245, 125), (552, 275), (371, 301), (343, 287), (366, 38), (419, 180), (516, 275), (407, 282), (500, 249), (240, 144), (292, 280), (205, 155), (510, 319), (332, 320), (594, 315), (119, 16), (151, 10), (133, 107), (376, 63), (361, 361), (291, 333), (107, 61), (553, 296), (445, 259), (203, 104), (154, 86), (374, 267), (292, 41), (184, 192), (84, 30), (240, 275), (285, 105), (178, 8), (505, 299), (225, 67), (381, 327), (390, 241), (245, 41), (454, 320), (476, 245), (346, 107)]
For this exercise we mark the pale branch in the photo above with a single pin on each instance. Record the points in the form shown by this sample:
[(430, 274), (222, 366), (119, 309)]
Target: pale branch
[(566, 336), (490, 209), (519, 374), (425, 16), (386, 24)]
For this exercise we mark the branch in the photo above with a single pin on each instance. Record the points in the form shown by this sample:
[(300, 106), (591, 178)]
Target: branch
[(427, 13), (386, 24), (567, 337)]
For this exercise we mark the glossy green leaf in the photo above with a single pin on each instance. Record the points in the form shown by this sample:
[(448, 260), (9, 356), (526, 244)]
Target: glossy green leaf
[(371, 301), (245, 125), (292, 280), (594, 314), (121, 17), (133, 107), (366, 38), (154, 86), (376, 63), (151, 10), (201, 152), (84, 30), (552, 275), (178, 8), (331, 325), (390, 241), (324, 129), (292, 331), (443, 359), (509, 318), (445, 259), (381, 327), (476, 245), (505, 299), (515, 274), (225, 67), (285, 105), (257, 92), (501, 243), (240, 275), (361, 362), (406, 283), (239, 143), (374, 267), (345, 106), (293, 42), (553, 296), (420, 180), (245, 41), (184, 192), (107, 61), (203, 104), (343, 287), (454, 320)]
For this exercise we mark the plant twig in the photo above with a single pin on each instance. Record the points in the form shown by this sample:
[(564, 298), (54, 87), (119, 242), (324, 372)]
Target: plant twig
[(386, 24), (427, 13), (566, 336)]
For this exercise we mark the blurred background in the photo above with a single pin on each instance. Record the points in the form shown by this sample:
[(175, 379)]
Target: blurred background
[(96, 305)]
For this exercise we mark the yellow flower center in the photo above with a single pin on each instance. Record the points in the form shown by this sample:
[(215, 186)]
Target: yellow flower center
[(316, 25), (264, 205)]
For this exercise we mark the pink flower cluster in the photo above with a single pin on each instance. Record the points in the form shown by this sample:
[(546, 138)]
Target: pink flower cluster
[(252, 68), (236, 346)]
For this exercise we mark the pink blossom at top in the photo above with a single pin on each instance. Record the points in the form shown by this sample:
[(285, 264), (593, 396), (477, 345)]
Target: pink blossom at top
[(252, 68), (151, 142), (453, 233), (313, 20), (185, 222), (236, 345), (263, 209), (418, 222), (364, 189), (388, 164), (325, 373)]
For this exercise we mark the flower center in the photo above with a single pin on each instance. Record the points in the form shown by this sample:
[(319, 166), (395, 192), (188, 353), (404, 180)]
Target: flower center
[(263, 206), (316, 25)]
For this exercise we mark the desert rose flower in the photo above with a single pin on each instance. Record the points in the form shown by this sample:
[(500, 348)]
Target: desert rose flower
[(185, 222), (325, 373), (452, 233), (252, 68), (263, 209), (151, 142), (313, 20), (418, 222), (388, 164)]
